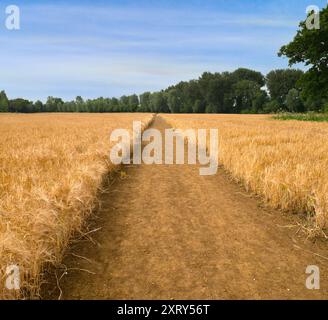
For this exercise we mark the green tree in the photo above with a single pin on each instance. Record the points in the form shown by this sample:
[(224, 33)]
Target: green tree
[(124, 104), (250, 75), (199, 106), (190, 94), (20, 105), (174, 101), (4, 102), (158, 103), (133, 103), (115, 105), (272, 106), (312, 103), (214, 91), (259, 101), (80, 105), (79, 100), (211, 108), (145, 102), (217, 91), (38, 106), (53, 104), (311, 48), (294, 102), (281, 81), (245, 92)]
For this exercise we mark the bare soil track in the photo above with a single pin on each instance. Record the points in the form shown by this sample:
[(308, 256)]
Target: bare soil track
[(169, 233)]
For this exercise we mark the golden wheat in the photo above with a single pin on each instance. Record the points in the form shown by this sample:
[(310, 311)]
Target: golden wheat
[(286, 162), (51, 169)]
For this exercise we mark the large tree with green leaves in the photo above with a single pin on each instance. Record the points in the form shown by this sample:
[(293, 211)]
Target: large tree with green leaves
[(310, 46)]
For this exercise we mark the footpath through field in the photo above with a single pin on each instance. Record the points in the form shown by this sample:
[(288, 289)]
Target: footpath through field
[(169, 233)]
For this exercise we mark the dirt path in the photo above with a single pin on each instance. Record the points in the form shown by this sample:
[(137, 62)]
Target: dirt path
[(169, 233)]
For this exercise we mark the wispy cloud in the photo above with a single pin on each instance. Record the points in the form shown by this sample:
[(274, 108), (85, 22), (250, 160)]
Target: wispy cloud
[(113, 49)]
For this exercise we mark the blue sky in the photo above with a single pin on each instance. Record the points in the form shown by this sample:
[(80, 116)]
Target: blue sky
[(110, 48)]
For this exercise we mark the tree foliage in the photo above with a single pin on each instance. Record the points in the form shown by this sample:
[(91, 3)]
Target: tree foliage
[(4, 102), (241, 91), (294, 102), (311, 48), (281, 81)]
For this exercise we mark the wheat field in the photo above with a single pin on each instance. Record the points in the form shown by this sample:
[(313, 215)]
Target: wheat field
[(51, 169), (285, 162)]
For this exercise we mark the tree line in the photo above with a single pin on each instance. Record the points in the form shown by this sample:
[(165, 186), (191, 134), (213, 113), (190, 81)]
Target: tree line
[(241, 91)]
